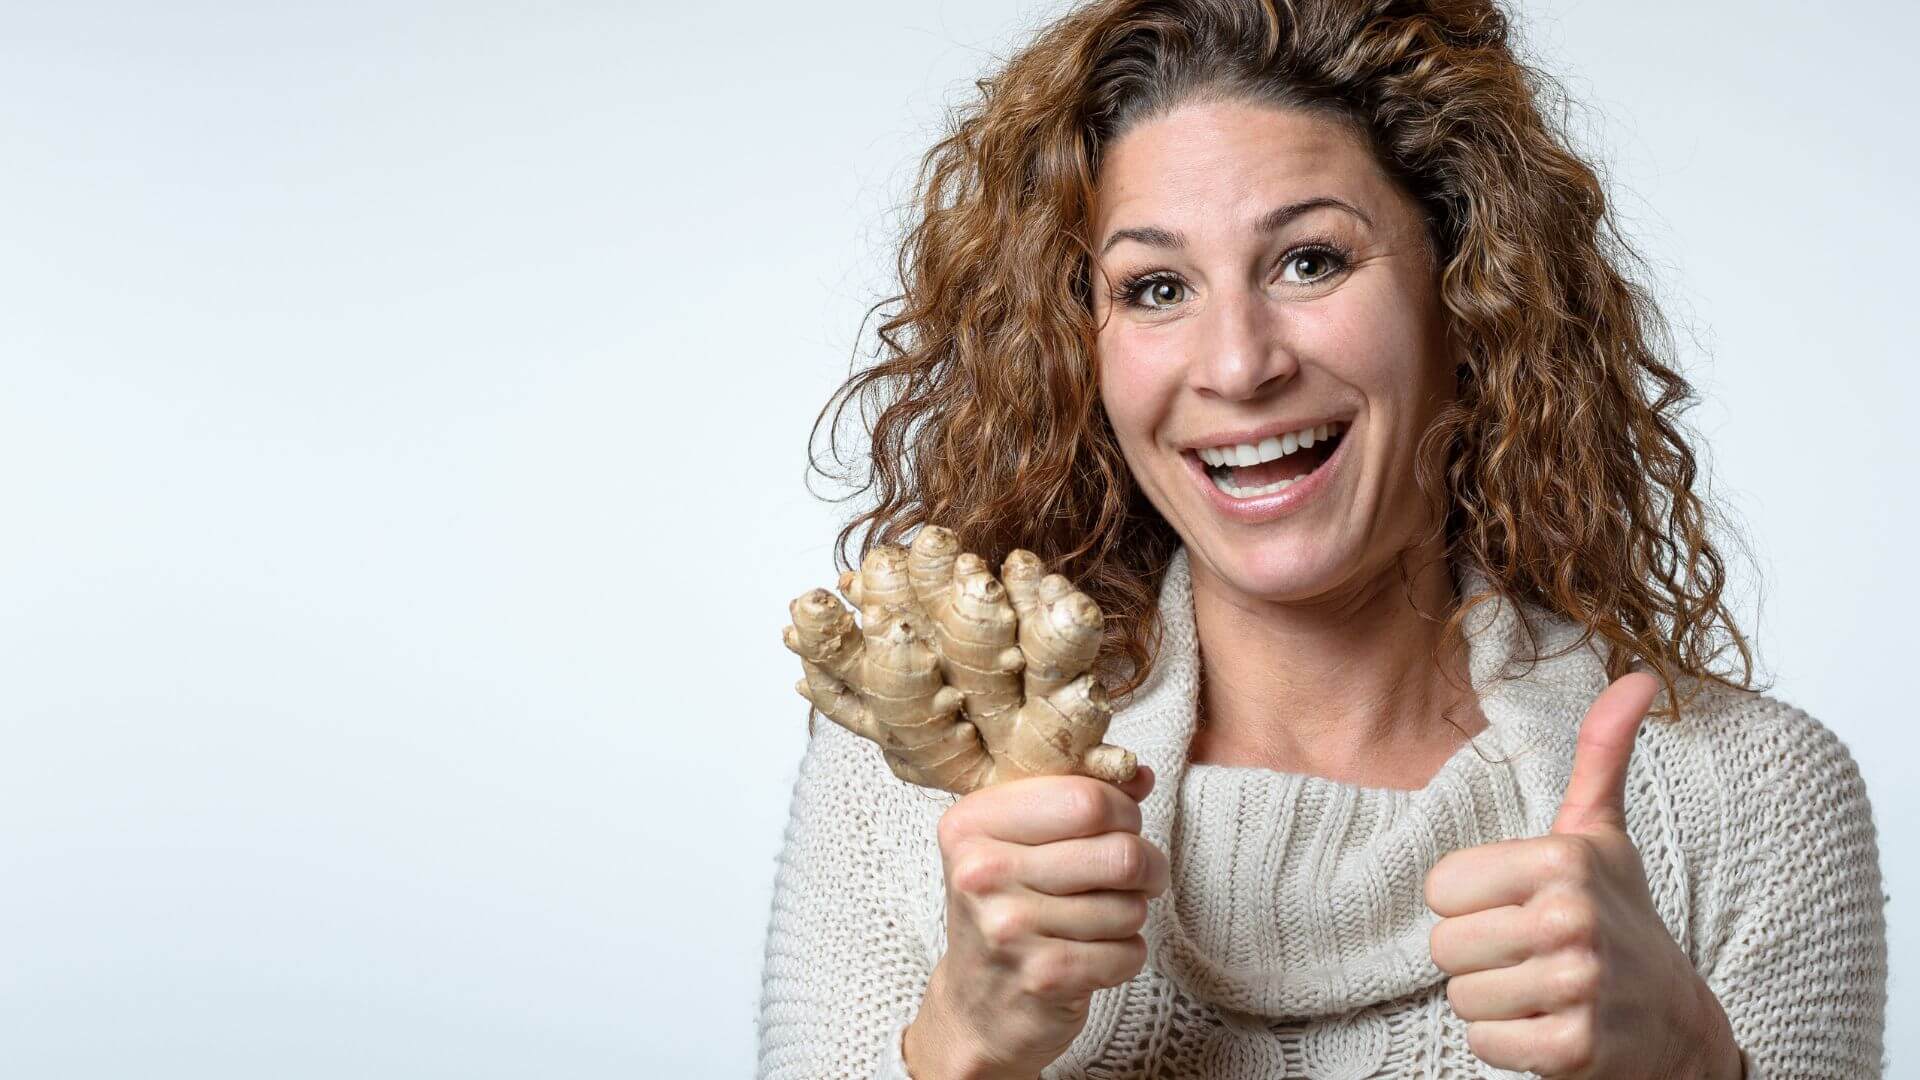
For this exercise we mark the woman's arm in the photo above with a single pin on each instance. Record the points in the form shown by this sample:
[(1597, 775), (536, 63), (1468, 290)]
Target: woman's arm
[(1801, 967), (845, 964)]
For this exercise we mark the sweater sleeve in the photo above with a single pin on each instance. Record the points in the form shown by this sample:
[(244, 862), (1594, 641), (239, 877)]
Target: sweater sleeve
[(1801, 968), (846, 962)]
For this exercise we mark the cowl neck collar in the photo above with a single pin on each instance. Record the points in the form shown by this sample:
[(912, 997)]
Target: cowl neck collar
[(1298, 896)]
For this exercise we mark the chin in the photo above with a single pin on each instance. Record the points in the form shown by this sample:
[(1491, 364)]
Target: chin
[(1272, 568)]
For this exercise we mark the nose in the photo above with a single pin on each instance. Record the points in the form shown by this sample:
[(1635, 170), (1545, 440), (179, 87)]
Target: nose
[(1242, 352)]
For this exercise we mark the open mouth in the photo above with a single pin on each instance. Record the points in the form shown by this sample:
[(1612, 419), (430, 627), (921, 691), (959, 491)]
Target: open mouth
[(1267, 477)]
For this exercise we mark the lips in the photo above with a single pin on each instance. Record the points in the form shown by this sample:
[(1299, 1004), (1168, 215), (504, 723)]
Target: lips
[(1297, 464), (1260, 509)]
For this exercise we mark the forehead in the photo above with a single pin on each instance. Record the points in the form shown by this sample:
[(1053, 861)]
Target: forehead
[(1237, 157)]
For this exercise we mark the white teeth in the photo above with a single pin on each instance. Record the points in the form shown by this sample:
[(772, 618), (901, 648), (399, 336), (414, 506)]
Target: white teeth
[(1239, 492), (1269, 448)]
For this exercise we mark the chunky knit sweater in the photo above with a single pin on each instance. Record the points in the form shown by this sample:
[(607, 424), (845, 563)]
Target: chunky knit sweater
[(1293, 939)]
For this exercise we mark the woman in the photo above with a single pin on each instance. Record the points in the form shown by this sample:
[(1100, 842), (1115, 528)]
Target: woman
[(1291, 334)]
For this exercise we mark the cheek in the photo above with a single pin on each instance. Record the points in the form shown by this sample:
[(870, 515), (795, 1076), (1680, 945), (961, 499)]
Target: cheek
[(1373, 342), (1134, 388)]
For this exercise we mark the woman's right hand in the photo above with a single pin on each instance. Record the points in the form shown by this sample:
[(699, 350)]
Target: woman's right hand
[(1047, 881)]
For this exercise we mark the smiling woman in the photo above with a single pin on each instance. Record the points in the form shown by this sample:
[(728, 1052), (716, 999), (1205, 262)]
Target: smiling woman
[(1325, 308), (1295, 335)]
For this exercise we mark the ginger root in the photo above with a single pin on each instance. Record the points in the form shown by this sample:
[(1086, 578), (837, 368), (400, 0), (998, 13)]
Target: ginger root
[(964, 680)]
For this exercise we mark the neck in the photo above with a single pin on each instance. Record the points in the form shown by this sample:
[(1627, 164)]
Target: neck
[(1343, 685)]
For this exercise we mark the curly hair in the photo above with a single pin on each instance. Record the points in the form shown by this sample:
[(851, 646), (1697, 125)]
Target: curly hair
[(1564, 475)]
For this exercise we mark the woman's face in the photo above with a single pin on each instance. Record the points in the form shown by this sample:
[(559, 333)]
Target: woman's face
[(1259, 315)]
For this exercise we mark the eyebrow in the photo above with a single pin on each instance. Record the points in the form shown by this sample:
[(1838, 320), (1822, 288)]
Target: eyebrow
[(1277, 218)]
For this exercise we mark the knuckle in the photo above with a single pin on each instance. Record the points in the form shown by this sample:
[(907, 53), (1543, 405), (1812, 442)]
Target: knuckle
[(1003, 924), (1569, 858), (1051, 972), (979, 871), (1574, 1043), (1566, 921), (954, 829), (1578, 979)]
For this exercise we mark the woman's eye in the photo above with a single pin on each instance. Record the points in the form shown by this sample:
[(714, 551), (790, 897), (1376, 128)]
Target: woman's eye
[(1159, 292), (1152, 293), (1322, 263)]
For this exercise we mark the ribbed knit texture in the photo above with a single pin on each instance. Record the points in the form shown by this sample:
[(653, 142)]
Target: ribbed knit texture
[(1293, 939)]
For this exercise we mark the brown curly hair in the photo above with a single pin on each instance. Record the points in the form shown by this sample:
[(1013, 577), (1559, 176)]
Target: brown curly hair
[(1567, 480)]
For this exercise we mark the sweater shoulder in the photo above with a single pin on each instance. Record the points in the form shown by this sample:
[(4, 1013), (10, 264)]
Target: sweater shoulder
[(1756, 764), (1760, 745), (1762, 794)]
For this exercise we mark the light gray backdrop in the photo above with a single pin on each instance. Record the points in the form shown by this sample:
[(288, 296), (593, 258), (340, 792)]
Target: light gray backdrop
[(402, 420)]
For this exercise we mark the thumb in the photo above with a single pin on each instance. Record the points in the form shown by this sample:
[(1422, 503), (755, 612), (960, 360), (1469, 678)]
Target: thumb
[(1597, 792)]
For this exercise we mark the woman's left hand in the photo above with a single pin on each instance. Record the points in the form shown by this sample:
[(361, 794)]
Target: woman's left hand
[(1558, 958)]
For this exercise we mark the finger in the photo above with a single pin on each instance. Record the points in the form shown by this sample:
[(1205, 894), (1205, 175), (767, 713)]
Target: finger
[(1492, 875), (1044, 809), (1500, 994), (1107, 915), (1534, 1044), (1495, 938), (1115, 861), (1596, 795), (1533, 988), (1094, 966)]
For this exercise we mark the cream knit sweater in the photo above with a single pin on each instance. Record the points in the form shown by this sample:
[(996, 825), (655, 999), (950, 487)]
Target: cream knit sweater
[(1293, 938)]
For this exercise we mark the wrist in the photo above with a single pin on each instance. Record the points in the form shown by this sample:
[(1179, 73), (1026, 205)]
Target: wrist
[(930, 1053), (1724, 1058), (937, 1046)]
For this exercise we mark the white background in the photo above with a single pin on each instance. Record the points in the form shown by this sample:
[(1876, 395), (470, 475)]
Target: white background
[(403, 411)]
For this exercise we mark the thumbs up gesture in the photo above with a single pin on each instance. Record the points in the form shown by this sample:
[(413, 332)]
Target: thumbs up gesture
[(1556, 954)]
